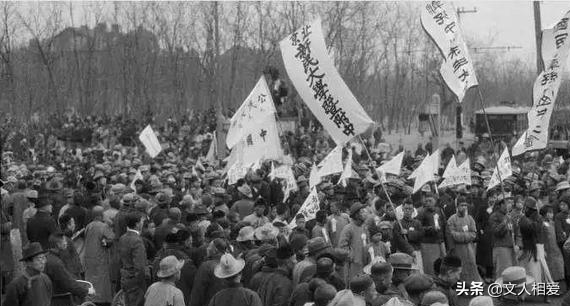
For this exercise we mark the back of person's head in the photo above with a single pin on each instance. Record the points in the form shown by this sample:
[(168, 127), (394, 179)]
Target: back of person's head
[(218, 246), (321, 216), (481, 301), (132, 218), (324, 294), (282, 209)]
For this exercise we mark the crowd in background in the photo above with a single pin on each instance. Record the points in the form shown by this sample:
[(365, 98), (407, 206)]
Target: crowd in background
[(74, 208)]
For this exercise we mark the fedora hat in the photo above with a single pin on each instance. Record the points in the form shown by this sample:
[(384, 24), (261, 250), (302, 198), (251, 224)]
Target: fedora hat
[(562, 186), (514, 275), (245, 190), (33, 249), (228, 266), (169, 266), (266, 232), (245, 234), (199, 209)]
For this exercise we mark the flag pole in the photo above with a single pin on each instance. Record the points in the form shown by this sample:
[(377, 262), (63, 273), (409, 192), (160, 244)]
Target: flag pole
[(490, 137), (384, 189)]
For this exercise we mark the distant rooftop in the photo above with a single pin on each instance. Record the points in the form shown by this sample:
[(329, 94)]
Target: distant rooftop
[(497, 110)]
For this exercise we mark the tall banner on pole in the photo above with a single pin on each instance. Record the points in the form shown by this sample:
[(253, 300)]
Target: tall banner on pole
[(555, 44), (439, 20), (317, 81)]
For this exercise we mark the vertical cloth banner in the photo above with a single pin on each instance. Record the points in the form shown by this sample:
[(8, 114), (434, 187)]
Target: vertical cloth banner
[(314, 177), (555, 44), (439, 20), (255, 108), (150, 141), (502, 170), (332, 163), (317, 81)]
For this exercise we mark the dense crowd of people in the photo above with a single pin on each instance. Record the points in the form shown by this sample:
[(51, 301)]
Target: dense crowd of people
[(75, 208)]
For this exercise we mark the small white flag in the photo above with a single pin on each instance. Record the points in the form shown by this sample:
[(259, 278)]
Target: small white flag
[(426, 171), (347, 172), (314, 177), (150, 141), (332, 163), (393, 166), (211, 157), (502, 171)]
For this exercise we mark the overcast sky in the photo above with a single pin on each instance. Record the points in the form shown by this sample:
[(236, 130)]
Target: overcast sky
[(510, 23)]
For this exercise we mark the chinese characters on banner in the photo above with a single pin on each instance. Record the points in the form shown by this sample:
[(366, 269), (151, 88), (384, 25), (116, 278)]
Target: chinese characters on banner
[(260, 143), (150, 141), (256, 106), (555, 44), (439, 20), (457, 175), (309, 208), (319, 84), (502, 170)]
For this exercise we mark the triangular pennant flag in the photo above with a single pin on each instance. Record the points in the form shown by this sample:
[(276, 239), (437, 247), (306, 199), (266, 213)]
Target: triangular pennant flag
[(426, 171), (138, 176), (502, 170), (211, 157), (332, 163), (393, 166), (347, 172), (460, 175), (451, 167), (245, 121), (314, 177)]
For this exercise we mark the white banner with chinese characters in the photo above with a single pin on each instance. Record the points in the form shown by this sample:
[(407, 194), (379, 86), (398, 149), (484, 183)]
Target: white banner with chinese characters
[(439, 20), (237, 171), (317, 81), (555, 44), (290, 183), (309, 208), (150, 141), (255, 108), (502, 170), (261, 143), (457, 175)]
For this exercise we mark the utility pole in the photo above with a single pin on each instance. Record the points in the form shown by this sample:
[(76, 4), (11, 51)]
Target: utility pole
[(538, 36), (459, 108)]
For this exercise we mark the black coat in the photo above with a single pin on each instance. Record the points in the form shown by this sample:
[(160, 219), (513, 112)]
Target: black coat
[(40, 227), (63, 281)]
